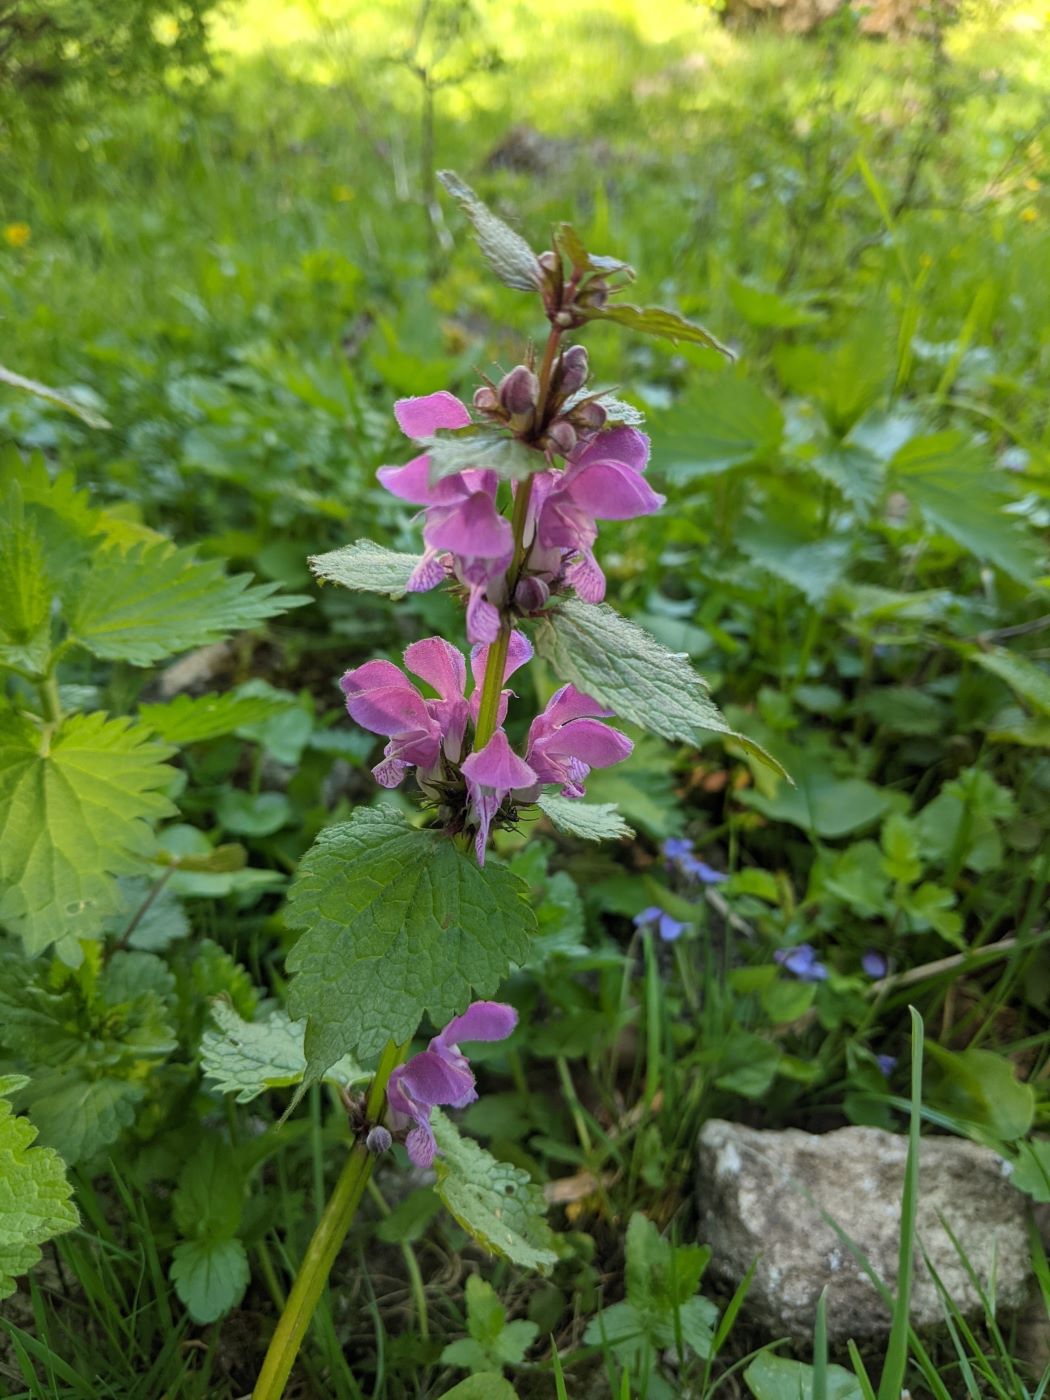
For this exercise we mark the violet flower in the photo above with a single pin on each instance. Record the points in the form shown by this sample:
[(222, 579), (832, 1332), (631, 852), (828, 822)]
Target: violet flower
[(802, 962), (381, 698), (667, 927), (678, 851), (441, 1074), (874, 964), (887, 1063)]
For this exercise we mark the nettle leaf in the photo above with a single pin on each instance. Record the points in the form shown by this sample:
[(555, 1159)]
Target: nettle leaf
[(84, 412), (494, 1202), (481, 445), (79, 1113), (623, 667), (191, 719), (155, 600), (1031, 682), (655, 320), (210, 1267), (950, 478), (591, 821), (366, 566), (247, 1058), (35, 1197), (398, 923), (75, 811), (728, 423), (210, 1276), (61, 516), (506, 252)]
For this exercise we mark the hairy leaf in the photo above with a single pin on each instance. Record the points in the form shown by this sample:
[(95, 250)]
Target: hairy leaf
[(453, 450), (507, 253), (592, 821), (75, 811), (656, 320), (571, 246), (494, 1202), (35, 1197), (398, 923), (249, 1057), (154, 601), (366, 566)]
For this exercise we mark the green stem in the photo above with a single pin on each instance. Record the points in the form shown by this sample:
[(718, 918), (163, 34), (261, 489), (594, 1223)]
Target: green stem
[(50, 704), (324, 1247)]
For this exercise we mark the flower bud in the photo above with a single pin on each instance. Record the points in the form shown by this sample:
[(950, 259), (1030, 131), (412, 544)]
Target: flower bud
[(595, 293), (378, 1140), (531, 594), (589, 416), (486, 400), (518, 391), (573, 369), (561, 436)]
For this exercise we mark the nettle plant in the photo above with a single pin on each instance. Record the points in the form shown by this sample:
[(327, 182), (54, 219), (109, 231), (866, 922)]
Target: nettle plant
[(405, 917)]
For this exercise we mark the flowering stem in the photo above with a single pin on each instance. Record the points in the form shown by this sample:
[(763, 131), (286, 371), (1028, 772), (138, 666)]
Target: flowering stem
[(324, 1247)]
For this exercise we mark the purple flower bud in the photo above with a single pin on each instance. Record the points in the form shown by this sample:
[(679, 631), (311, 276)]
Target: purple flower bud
[(874, 964), (588, 416), (519, 391), (378, 1140), (561, 435), (573, 369), (486, 400), (531, 595)]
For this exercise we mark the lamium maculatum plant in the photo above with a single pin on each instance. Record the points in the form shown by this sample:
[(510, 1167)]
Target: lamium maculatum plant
[(404, 919)]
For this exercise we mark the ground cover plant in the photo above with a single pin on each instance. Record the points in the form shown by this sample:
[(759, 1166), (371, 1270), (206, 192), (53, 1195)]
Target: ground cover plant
[(217, 289)]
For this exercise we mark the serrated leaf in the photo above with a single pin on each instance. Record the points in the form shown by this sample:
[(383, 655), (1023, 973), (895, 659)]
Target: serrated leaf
[(812, 566), (571, 246), (366, 566), (855, 472), (655, 320), (192, 719), (75, 812), (591, 821), (622, 666), (78, 1114), (247, 1058), (950, 478), (155, 600), (760, 306), (1029, 681), (398, 923), (494, 1202), (209, 1199), (62, 516), (728, 423), (26, 590), (43, 391), (506, 252), (453, 450), (210, 1276), (35, 1197)]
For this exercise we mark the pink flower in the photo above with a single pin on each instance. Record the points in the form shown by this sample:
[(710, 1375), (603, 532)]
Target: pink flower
[(492, 774), (569, 739), (441, 1074), (460, 515), (381, 698)]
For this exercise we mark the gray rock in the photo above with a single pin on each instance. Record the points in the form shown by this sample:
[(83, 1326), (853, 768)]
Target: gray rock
[(761, 1194)]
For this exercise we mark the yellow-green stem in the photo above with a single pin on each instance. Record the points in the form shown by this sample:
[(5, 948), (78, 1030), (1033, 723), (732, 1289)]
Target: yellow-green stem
[(50, 704), (324, 1247)]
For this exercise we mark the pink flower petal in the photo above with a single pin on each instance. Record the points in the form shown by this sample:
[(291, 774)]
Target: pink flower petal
[(472, 528), (422, 416), (609, 491), (440, 664), (589, 740), (626, 445), (497, 766), (483, 620), (519, 651), (482, 1020), (587, 578), (382, 699)]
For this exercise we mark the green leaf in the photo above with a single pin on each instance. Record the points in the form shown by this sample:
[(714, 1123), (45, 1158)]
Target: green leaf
[(655, 320), (367, 567), (728, 423), (210, 1276), (821, 803), (771, 1377), (42, 391), (409, 1220), (494, 1342), (1031, 1171), (192, 719), (814, 567), (75, 811), (1031, 682), (253, 814), (494, 1202), (762, 307), (570, 245), (453, 450), (950, 478), (26, 590), (591, 821), (35, 1197), (247, 1058), (209, 1199), (623, 667), (487, 1385), (848, 378), (154, 601), (856, 473), (78, 1113), (642, 788), (900, 845), (982, 1088), (398, 923), (506, 252)]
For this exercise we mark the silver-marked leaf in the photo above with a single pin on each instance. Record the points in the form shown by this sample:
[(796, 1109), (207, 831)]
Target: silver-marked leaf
[(656, 320), (506, 252), (623, 667), (247, 1058), (367, 567), (591, 821), (494, 1202), (397, 924), (453, 450)]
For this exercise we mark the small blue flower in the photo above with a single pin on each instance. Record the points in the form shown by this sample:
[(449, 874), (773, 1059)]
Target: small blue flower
[(677, 848), (802, 962), (887, 1063), (668, 928), (698, 869), (874, 964)]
